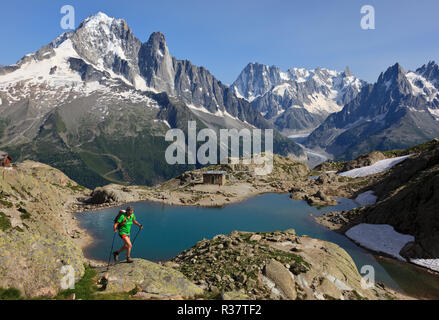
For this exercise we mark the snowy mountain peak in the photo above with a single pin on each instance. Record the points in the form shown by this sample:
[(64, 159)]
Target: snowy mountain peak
[(100, 53), (399, 104), (100, 34), (313, 93), (425, 82), (299, 74), (394, 80), (256, 79), (430, 71), (95, 21), (393, 72)]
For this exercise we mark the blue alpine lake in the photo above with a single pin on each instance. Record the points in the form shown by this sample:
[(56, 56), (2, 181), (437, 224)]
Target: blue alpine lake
[(168, 230)]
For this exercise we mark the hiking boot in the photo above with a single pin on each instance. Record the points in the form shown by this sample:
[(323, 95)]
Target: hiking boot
[(129, 260), (115, 256)]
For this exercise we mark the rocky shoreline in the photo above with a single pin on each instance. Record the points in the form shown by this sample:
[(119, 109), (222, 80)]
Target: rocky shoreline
[(288, 176)]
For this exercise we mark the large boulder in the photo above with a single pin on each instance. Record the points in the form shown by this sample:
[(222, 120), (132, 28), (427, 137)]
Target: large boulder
[(102, 195), (282, 278), (152, 280)]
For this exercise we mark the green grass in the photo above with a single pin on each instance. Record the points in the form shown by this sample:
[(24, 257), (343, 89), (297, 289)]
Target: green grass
[(208, 295), (75, 188), (5, 224), (24, 214), (6, 203), (86, 289), (18, 229), (10, 294), (3, 125), (100, 164), (415, 149), (58, 156), (59, 123)]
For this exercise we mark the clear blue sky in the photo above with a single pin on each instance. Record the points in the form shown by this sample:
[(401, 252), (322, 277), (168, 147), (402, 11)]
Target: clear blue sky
[(225, 35)]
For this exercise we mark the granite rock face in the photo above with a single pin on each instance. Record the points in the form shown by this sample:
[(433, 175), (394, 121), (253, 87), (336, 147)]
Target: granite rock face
[(151, 279), (36, 232), (282, 278)]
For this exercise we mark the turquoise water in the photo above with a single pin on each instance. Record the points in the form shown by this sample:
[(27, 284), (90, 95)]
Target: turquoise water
[(168, 230)]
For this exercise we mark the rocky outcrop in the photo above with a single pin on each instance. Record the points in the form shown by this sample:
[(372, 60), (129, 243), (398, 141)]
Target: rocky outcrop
[(114, 194), (282, 278), (37, 234), (105, 194), (319, 199), (274, 265), (188, 188), (407, 200), (149, 279), (364, 160), (322, 190), (32, 259), (101, 195)]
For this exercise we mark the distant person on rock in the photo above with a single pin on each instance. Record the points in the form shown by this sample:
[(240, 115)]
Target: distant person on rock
[(122, 224)]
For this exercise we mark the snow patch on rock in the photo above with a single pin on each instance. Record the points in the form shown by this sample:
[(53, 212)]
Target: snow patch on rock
[(432, 264), (365, 198), (380, 237), (434, 113), (377, 167)]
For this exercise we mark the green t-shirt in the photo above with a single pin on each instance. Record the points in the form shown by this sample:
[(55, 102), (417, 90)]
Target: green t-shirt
[(124, 228)]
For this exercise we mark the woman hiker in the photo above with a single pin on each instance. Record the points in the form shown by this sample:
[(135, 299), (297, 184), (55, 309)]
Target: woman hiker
[(123, 224)]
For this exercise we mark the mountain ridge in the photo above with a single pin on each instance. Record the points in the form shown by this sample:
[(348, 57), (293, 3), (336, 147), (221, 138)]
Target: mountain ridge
[(296, 100), (398, 111)]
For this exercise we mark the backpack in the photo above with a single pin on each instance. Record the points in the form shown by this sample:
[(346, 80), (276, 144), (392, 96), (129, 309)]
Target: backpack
[(121, 212)]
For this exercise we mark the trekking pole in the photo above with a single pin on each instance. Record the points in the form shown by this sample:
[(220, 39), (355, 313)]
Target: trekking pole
[(135, 237), (111, 251)]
